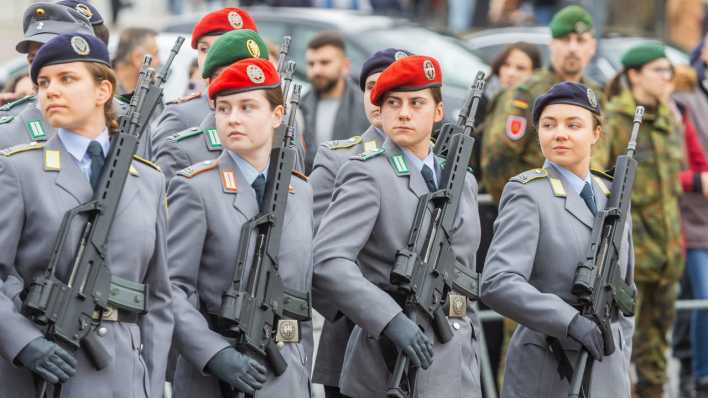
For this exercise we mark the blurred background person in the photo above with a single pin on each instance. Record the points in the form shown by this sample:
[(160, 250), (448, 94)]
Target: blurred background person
[(20, 86), (134, 44), (645, 80), (333, 108), (690, 105)]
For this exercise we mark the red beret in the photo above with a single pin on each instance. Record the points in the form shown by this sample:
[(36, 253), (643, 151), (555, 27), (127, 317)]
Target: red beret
[(245, 75), (220, 21), (411, 73)]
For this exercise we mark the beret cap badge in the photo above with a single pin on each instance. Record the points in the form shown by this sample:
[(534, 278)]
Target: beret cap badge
[(429, 69), (255, 74), (592, 98), (235, 20), (80, 45), (84, 10), (253, 48)]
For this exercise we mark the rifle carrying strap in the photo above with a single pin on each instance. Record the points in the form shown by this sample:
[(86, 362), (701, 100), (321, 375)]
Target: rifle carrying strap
[(565, 369)]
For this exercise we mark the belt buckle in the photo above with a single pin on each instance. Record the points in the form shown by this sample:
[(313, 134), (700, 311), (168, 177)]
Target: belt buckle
[(110, 314), (288, 331), (457, 304)]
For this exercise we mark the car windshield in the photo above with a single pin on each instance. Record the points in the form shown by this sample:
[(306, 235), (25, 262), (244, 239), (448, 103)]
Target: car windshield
[(458, 63)]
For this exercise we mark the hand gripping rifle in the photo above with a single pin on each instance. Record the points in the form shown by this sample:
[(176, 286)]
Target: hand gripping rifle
[(70, 313), (598, 285), (425, 271), (252, 312)]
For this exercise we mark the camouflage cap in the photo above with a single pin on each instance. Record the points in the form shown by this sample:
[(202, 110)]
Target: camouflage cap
[(571, 19), (231, 47), (642, 54)]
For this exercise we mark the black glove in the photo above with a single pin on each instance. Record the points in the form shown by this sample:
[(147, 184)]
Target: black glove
[(587, 333), (48, 360), (409, 339), (238, 370)]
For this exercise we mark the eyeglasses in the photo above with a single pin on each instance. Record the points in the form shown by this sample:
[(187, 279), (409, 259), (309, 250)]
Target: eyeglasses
[(667, 71)]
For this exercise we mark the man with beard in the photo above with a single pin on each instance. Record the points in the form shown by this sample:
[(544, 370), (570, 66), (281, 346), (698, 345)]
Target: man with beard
[(332, 109), (510, 143)]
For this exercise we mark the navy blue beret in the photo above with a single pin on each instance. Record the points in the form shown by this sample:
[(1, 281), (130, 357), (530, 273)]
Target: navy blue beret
[(567, 93), (42, 21), (70, 47), (85, 8), (380, 61)]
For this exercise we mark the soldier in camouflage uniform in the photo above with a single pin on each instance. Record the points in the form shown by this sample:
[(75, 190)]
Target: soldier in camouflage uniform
[(510, 143), (655, 204)]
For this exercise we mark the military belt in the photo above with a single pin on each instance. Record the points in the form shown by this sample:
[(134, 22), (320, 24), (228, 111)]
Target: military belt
[(287, 330), (456, 306)]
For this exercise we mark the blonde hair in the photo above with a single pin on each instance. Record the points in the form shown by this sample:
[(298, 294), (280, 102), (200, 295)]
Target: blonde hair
[(101, 72)]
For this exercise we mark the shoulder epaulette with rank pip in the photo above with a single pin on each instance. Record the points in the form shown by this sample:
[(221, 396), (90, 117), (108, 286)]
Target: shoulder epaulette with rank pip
[(147, 162), (194, 131), (342, 144), (6, 119), (198, 168), (184, 99), (530, 175), (13, 104), (20, 148), (368, 154), (300, 175)]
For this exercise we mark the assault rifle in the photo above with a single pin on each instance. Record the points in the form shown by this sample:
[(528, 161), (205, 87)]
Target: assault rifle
[(425, 271), (600, 288)]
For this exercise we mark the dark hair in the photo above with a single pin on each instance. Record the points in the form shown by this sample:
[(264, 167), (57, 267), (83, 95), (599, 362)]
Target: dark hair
[(527, 48), (101, 31), (618, 83), (130, 39), (101, 72), (327, 38)]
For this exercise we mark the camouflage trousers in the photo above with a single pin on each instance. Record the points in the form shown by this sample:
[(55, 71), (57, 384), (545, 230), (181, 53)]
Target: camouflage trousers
[(655, 314)]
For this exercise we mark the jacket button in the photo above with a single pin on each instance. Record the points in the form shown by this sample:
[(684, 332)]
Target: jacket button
[(102, 331)]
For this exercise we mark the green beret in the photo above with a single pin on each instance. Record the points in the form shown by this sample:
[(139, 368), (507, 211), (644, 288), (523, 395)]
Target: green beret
[(231, 47), (642, 54), (571, 19)]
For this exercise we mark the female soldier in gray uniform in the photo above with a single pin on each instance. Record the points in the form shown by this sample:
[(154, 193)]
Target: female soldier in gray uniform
[(210, 202), (373, 205), (41, 182), (541, 234)]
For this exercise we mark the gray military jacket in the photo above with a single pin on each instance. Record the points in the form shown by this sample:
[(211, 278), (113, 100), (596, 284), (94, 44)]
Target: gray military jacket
[(330, 157), (373, 205), (29, 126), (188, 147), (17, 106), (203, 241), (177, 116), (39, 185), (541, 234)]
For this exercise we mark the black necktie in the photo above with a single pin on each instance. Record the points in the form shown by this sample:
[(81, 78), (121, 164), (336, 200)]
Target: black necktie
[(259, 186), (95, 152), (589, 199), (429, 179)]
